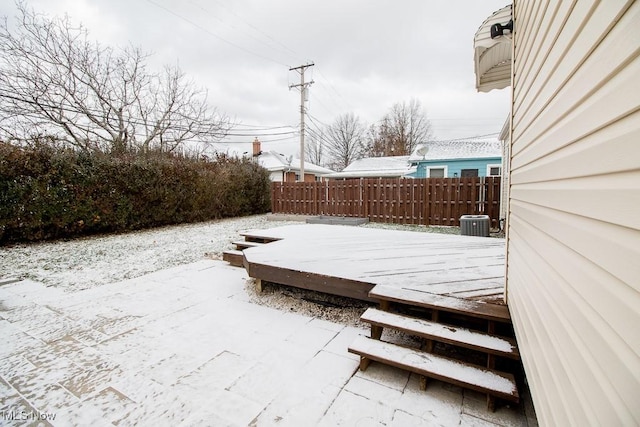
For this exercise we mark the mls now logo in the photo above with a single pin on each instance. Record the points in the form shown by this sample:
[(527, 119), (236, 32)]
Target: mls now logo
[(26, 416)]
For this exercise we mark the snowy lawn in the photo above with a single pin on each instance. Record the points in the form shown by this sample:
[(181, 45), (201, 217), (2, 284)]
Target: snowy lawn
[(93, 261)]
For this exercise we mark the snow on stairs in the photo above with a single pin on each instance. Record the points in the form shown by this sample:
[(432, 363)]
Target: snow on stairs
[(251, 240), (234, 256), (494, 383), (462, 337), (498, 384), (245, 244)]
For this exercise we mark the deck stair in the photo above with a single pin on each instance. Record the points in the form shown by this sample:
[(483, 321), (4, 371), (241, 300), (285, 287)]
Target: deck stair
[(233, 257), (251, 240), (245, 244), (423, 361), (258, 237)]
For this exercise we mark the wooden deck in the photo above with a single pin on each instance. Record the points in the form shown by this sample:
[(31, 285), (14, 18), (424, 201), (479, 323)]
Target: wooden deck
[(456, 282), (350, 261)]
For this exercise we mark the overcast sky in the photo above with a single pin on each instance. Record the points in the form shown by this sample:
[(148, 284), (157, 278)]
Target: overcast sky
[(368, 55)]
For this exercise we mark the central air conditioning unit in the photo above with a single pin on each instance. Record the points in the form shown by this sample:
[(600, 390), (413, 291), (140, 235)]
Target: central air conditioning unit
[(475, 225)]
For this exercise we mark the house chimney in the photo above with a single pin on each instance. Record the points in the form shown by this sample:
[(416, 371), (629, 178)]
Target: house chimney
[(256, 148)]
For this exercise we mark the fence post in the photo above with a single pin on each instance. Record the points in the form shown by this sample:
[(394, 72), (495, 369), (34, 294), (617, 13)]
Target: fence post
[(273, 197), (482, 196)]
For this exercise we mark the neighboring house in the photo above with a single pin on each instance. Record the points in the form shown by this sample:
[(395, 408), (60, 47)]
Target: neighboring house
[(377, 167), (287, 169), (573, 213), (457, 159), (442, 159)]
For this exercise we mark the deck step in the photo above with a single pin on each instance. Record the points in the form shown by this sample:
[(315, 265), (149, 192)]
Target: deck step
[(462, 337), (479, 309), (233, 257), (258, 237), (491, 382), (244, 244)]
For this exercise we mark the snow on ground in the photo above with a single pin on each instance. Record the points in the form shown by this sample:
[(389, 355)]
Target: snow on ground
[(93, 261), (190, 342)]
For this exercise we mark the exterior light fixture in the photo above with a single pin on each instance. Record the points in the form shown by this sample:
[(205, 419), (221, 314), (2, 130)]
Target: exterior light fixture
[(497, 30)]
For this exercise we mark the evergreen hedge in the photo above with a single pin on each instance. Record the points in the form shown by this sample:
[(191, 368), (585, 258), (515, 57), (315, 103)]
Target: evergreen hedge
[(49, 193)]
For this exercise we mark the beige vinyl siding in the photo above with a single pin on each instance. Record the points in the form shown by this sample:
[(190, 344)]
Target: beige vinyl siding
[(573, 239)]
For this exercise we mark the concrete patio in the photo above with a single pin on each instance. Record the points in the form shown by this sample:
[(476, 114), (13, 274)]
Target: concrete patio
[(186, 346)]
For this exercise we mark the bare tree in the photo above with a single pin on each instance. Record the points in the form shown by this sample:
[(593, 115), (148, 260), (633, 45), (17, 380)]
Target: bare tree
[(55, 82), (401, 130), (380, 142), (345, 140), (314, 151)]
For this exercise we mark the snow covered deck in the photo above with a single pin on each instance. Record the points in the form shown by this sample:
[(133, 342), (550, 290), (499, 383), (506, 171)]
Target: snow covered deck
[(350, 261)]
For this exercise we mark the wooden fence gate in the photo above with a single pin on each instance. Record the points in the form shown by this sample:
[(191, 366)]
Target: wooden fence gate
[(427, 201)]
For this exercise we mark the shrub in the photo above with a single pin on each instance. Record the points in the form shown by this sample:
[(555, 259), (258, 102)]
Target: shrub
[(49, 193)]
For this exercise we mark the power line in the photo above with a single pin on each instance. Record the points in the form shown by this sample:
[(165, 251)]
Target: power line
[(215, 35), (260, 127), (262, 133), (317, 120), (258, 30), (263, 138), (472, 137), (289, 50), (334, 89), (251, 132)]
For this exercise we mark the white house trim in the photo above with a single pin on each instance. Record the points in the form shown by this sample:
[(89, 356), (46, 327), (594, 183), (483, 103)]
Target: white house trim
[(494, 165)]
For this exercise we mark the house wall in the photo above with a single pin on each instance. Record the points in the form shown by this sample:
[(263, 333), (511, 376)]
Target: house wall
[(573, 239), (291, 177), (276, 176), (455, 166)]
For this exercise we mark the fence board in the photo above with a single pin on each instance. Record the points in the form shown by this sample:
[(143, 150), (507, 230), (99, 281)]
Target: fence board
[(427, 201)]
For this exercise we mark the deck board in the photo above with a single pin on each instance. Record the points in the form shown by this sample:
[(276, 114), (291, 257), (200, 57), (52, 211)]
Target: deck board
[(477, 378), (363, 257)]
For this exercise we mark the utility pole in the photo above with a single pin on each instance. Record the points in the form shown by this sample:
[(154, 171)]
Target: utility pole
[(303, 91)]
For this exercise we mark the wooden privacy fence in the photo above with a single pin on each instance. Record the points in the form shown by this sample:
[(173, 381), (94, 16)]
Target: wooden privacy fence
[(427, 201)]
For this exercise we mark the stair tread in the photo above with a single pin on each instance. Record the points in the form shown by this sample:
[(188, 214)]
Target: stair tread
[(232, 252), (252, 236), (499, 384), (246, 244), (478, 309), (452, 335)]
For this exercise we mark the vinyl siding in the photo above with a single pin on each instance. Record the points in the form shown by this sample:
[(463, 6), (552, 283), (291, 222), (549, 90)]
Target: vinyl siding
[(573, 239)]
